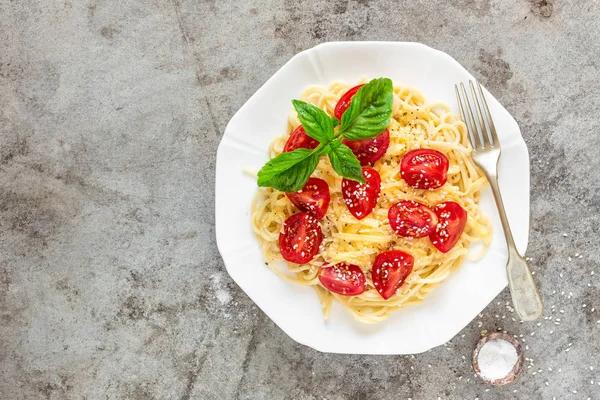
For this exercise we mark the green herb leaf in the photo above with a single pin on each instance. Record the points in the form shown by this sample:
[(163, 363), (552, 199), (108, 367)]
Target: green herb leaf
[(344, 162), (334, 121), (317, 124), (289, 171), (369, 112)]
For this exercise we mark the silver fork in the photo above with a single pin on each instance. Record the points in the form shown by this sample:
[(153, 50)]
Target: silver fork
[(486, 152)]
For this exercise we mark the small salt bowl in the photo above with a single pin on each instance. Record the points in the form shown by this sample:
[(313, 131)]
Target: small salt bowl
[(498, 358)]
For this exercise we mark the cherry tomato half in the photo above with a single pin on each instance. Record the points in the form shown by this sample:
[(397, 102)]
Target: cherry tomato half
[(342, 278), (452, 219), (301, 237), (344, 102), (300, 140), (369, 150), (390, 269), (424, 168), (361, 198), (409, 218), (313, 198)]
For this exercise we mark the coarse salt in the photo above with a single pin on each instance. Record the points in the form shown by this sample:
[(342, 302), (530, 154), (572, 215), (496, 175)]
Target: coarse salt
[(496, 359)]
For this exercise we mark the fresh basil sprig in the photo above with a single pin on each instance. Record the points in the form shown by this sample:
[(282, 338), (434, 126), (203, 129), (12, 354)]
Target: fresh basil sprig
[(368, 115)]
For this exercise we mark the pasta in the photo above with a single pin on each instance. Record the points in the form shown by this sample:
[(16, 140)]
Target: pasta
[(413, 124)]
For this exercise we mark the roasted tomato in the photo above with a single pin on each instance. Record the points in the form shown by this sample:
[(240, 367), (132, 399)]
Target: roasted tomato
[(409, 218), (344, 102), (369, 150), (301, 237), (300, 140), (452, 219), (390, 269), (361, 198), (342, 278), (312, 198), (424, 168)]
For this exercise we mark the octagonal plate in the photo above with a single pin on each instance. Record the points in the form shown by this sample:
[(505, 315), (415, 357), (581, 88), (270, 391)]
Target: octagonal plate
[(296, 309)]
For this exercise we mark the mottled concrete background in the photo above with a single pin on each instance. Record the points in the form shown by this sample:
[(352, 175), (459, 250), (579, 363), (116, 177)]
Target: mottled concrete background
[(111, 286)]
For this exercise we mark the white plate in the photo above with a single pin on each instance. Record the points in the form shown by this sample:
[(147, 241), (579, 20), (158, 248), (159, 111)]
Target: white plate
[(295, 308)]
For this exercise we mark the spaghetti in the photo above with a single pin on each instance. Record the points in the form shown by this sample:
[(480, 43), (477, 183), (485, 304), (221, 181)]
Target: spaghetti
[(414, 124)]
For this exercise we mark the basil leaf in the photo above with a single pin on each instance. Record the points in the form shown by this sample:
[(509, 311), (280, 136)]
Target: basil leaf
[(369, 112), (289, 171), (317, 124), (344, 162), (334, 121)]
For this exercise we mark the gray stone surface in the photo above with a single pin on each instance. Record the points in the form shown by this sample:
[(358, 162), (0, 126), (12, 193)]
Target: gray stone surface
[(111, 285)]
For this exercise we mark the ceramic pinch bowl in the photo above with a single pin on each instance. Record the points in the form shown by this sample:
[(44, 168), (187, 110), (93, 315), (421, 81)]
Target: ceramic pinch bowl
[(516, 369)]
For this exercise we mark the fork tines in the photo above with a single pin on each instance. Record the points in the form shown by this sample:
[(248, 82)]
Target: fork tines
[(482, 132)]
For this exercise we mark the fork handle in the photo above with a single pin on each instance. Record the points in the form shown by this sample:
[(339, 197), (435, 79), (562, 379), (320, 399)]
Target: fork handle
[(526, 298)]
